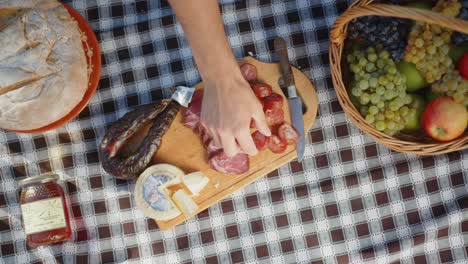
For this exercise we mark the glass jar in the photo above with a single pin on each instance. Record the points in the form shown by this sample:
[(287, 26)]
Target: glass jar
[(44, 209)]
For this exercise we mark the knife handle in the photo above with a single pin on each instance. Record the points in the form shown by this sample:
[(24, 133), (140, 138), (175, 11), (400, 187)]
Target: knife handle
[(282, 50)]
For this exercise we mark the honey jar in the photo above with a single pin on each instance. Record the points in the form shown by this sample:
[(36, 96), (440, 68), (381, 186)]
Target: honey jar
[(44, 209)]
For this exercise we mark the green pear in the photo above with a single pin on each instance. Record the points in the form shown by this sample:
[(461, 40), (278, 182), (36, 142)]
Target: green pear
[(414, 79), (414, 123)]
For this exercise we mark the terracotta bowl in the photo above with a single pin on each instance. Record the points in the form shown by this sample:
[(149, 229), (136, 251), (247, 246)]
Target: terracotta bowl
[(95, 61)]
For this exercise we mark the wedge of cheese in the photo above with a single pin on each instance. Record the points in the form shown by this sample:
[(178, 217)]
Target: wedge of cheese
[(195, 182), (185, 203), (152, 194)]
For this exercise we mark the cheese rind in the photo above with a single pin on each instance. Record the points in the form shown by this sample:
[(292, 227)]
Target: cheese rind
[(185, 203), (195, 182), (152, 195)]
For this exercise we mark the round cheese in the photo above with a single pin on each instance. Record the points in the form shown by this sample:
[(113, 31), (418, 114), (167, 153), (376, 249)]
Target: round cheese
[(43, 69), (152, 195)]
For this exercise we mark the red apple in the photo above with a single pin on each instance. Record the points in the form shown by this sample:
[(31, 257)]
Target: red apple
[(444, 119), (463, 66)]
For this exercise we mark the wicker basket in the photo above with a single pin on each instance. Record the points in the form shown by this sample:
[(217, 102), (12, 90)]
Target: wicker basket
[(402, 143)]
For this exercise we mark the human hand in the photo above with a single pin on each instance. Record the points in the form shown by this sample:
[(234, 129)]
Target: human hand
[(228, 106)]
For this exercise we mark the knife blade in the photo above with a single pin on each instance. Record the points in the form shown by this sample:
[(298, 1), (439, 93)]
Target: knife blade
[(295, 103)]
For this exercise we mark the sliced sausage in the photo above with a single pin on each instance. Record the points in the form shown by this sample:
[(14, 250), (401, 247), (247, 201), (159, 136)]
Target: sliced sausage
[(288, 134), (274, 116), (259, 140), (275, 144), (261, 89), (273, 101), (248, 71)]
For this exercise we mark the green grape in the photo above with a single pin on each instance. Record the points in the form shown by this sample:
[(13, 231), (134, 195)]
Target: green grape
[(380, 125), (390, 86), (364, 98), (380, 117), (384, 54), (383, 80), (392, 70), (390, 77), (364, 110), (380, 90), (373, 110), (388, 94), (370, 118), (453, 84), (380, 64), (381, 104), (364, 84), (389, 114), (404, 110), (370, 67), (397, 80), (371, 50), (407, 99), (363, 61), (394, 105), (397, 118), (389, 132), (429, 44), (375, 98), (356, 91), (391, 125), (373, 82), (355, 68), (372, 57)]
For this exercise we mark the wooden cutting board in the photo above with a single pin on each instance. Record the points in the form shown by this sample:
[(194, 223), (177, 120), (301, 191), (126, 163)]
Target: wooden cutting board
[(183, 148)]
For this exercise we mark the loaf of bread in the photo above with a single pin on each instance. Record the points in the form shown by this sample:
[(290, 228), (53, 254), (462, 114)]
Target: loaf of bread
[(43, 70)]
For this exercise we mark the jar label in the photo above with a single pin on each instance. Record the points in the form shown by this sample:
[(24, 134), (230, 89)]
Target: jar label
[(43, 215)]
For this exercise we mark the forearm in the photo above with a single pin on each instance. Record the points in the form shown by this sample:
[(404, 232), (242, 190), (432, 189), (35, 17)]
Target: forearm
[(203, 27)]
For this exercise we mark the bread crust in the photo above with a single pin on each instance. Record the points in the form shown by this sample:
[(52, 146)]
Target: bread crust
[(43, 69)]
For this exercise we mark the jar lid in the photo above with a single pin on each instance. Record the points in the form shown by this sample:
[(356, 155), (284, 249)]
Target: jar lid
[(40, 178)]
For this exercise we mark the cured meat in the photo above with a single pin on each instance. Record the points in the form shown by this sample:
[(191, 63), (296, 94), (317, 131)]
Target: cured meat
[(248, 71), (217, 159), (259, 140), (288, 134), (237, 164), (191, 117), (274, 116), (273, 101), (261, 89), (212, 149), (160, 114), (275, 144)]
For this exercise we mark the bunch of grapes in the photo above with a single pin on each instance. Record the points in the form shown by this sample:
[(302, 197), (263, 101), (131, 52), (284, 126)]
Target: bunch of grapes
[(429, 44), (453, 84), (389, 32), (380, 90), (459, 38)]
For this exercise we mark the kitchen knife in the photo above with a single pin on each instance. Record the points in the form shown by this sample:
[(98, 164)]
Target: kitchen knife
[(295, 104)]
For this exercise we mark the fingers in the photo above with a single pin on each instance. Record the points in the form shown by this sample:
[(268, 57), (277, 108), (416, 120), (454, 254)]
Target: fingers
[(261, 124), (246, 142), (229, 143), (215, 136)]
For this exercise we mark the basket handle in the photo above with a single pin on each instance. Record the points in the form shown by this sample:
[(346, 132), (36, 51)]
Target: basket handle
[(338, 34)]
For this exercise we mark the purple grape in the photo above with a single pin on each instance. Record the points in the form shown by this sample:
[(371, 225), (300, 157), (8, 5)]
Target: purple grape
[(390, 33)]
